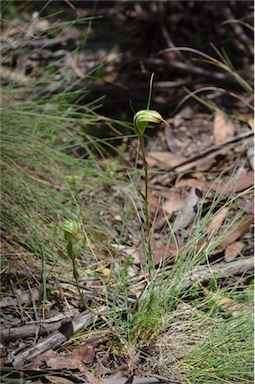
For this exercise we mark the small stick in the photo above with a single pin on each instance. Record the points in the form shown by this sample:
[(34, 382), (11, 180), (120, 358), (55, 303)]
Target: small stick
[(214, 148), (203, 273), (55, 340)]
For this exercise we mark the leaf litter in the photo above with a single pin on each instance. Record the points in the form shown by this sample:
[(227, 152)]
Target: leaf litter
[(188, 174)]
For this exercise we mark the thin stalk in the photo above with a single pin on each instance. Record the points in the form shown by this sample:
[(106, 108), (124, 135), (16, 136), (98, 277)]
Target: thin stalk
[(141, 121), (71, 254), (145, 197)]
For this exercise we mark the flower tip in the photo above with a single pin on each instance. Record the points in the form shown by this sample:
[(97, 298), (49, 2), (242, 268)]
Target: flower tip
[(144, 117), (71, 229)]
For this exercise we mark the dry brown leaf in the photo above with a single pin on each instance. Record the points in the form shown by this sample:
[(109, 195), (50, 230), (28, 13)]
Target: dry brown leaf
[(217, 221), (163, 253), (58, 380), (190, 183), (153, 201), (245, 206), (92, 379), (204, 164), (187, 212), (236, 231), (233, 250), (223, 127), (245, 181), (85, 353), (197, 175), (69, 362), (200, 165), (173, 203), (166, 160), (63, 362), (228, 305), (225, 187)]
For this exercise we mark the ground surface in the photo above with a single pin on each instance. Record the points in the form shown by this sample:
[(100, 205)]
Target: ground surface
[(150, 323)]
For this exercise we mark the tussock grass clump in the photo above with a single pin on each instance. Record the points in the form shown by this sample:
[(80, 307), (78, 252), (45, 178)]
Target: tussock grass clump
[(42, 182), (203, 347), (225, 355)]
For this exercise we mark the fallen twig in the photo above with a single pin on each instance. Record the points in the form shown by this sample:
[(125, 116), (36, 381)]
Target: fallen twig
[(204, 273), (191, 161), (53, 341), (223, 78), (29, 330)]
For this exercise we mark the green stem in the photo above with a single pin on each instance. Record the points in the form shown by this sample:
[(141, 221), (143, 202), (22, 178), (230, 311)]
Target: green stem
[(71, 254), (146, 199)]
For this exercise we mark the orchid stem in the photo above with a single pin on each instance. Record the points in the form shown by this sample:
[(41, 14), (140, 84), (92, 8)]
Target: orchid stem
[(145, 196)]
